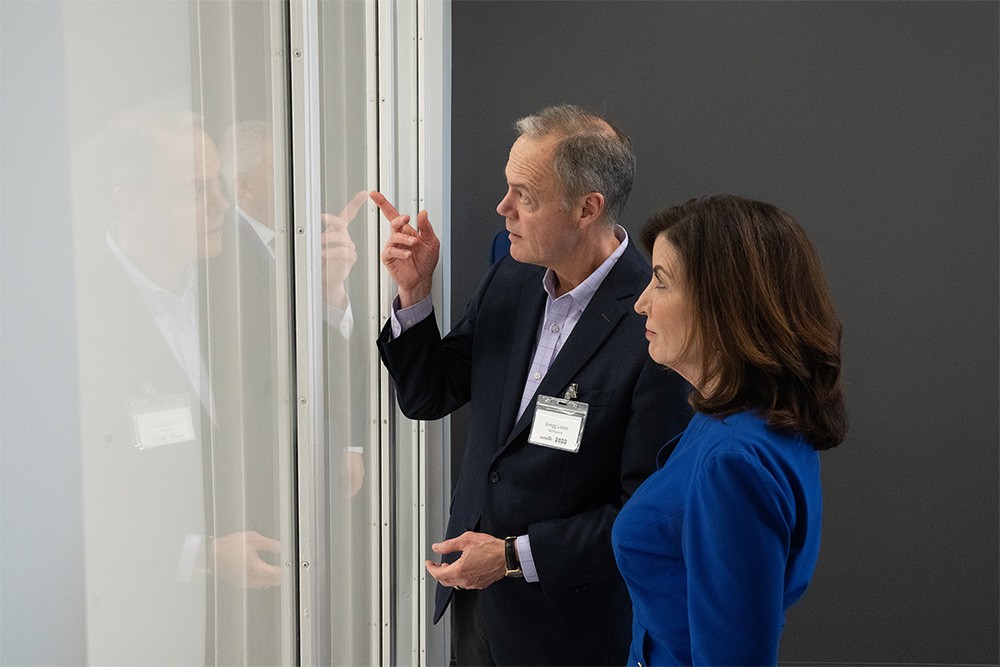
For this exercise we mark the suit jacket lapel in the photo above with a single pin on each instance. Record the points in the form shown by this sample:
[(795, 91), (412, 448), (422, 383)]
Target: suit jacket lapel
[(596, 324), (522, 348)]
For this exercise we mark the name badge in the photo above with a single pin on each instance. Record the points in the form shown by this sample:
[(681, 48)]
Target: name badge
[(558, 423), (162, 421)]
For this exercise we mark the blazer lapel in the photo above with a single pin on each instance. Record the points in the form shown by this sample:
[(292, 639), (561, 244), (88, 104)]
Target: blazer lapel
[(598, 321), (522, 348)]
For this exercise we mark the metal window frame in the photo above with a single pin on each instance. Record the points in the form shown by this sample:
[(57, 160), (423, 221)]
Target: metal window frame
[(408, 70)]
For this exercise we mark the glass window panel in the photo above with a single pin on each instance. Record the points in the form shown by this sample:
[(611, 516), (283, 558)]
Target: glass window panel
[(350, 354), (173, 133), (184, 433)]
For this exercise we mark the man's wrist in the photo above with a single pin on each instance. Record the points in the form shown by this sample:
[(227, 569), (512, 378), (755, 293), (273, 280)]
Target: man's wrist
[(512, 562), (414, 296)]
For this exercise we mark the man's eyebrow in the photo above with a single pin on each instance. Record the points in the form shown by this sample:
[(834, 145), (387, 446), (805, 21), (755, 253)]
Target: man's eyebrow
[(524, 187)]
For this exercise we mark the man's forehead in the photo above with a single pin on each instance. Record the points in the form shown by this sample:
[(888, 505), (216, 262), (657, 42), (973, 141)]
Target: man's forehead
[(531, 158), (190, 154)]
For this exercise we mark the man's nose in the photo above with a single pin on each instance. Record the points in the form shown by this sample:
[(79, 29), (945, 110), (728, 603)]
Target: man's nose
[(217, 199), (504, 207)]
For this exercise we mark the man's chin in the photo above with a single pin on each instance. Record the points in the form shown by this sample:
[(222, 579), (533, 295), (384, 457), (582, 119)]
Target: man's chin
[(210, 247)]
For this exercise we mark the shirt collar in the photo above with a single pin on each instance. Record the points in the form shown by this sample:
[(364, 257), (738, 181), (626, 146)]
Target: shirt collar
[(583, 292), (265, 233), (149, 290)]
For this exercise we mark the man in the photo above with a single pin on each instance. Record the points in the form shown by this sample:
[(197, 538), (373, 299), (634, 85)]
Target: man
[(179, 461), (247, 153), (567, 410), (249, 172)]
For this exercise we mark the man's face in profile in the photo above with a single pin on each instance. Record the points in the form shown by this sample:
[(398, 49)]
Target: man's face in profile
[(177, 211), (193, 203)]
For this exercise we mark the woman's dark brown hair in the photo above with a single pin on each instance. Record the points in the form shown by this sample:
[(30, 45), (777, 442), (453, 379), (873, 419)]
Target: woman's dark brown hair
[(768, 328)]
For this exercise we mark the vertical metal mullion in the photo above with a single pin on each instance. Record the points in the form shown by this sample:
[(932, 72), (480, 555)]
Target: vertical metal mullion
[(380, 403), (398, 181), (410, 163), (285, 367), (314, 613), (420, 545), (433, 146), (388, 184)]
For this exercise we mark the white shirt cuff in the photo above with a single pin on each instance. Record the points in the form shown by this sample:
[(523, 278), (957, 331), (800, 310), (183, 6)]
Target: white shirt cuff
[(341, 319), (188, 557), (527, 562)]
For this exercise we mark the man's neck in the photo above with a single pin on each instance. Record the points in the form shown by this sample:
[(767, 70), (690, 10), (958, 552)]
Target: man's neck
[(262, 217), (169, 276), (588, 259)]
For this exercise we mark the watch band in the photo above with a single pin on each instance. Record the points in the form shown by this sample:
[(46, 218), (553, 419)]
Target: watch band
[(510, 555)]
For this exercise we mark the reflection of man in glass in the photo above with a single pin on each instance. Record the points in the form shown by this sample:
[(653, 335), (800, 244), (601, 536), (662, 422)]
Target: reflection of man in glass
[(161, 397), (247, 152)]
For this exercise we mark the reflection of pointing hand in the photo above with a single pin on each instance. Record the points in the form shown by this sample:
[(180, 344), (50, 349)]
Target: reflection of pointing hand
[(411, 255), (353, 206), (339, 251)]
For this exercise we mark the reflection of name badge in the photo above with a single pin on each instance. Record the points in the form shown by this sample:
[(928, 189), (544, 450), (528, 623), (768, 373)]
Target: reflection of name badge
[(159, 421), (558, 423)]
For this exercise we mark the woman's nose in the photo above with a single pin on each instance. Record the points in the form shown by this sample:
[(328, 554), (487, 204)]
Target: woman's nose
[(640, 303)]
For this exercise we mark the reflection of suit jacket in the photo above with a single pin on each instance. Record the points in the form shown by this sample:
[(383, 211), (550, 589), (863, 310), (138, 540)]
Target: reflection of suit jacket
[(140, 504), (578, 613)]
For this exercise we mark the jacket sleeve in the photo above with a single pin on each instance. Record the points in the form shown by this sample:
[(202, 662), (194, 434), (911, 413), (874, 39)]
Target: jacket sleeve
[(736, 544), (575, 552), (433, 376)]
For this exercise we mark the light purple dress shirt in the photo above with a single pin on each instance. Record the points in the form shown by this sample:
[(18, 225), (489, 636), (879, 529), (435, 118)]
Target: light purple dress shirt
[(561, 315)]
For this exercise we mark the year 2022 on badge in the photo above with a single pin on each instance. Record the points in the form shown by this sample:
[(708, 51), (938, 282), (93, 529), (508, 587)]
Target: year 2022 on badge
[(558, 423)]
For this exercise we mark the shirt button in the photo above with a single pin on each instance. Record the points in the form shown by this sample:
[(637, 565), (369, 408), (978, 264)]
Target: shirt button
[(554, 328), (537, 376), (409, 322), (494, 476)]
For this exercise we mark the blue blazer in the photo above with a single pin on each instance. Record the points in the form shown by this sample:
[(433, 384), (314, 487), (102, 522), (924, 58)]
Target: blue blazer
[(719, 542), (579, 612)]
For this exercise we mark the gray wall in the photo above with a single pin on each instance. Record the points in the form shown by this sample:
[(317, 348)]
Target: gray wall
[(42, 619), (876, 125)]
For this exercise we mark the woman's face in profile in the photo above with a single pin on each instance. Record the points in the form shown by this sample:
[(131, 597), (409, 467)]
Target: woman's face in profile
[(669, 322)]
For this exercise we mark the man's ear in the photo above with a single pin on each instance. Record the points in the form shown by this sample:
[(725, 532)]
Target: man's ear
[(591, 208)]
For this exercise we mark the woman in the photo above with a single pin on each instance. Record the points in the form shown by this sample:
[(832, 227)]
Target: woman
[(724, 536)]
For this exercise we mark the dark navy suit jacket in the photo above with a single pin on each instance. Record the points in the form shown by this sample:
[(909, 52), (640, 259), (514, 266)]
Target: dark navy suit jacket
[(579, 612)]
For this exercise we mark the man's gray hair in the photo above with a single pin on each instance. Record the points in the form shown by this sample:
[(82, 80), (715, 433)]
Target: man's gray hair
[(242, 150), (592, 154)]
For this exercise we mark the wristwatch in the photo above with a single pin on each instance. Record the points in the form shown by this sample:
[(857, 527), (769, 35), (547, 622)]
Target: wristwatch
[(510, 554)]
